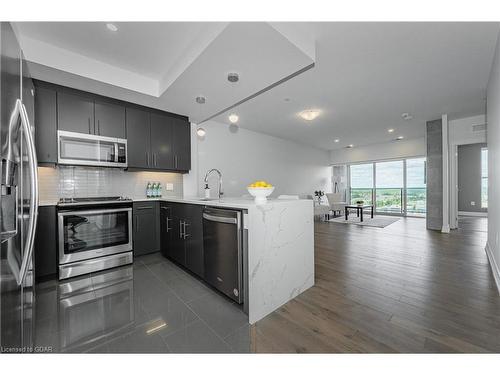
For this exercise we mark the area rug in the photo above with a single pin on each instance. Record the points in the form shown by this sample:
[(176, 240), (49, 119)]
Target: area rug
[(377, 221)]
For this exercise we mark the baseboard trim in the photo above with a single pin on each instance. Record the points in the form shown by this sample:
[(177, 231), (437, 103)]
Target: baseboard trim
[(493, 264), (470, 213)]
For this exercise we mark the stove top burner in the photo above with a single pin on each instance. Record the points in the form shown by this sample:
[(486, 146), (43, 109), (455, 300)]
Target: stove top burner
[(92, 200)]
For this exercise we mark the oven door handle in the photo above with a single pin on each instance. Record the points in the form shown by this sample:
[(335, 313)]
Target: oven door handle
[(91, 212)]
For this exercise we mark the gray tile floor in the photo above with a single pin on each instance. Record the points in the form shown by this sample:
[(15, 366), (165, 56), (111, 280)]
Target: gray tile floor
[(152, 306)]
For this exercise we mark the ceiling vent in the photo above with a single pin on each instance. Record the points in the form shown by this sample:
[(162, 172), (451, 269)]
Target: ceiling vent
[(478, 128)]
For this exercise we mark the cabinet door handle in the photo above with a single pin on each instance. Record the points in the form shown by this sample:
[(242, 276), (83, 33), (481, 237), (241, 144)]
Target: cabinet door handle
[(155, 158), (168, 227), (89, 125), (145, 208), (181, 233), (186, 235), (98, 127), (175, 161)]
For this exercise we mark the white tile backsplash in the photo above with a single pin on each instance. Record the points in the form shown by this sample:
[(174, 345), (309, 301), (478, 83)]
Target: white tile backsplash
[(68, 182)]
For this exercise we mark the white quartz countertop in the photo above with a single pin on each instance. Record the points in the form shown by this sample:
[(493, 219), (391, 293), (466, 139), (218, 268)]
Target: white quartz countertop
[(242, 203)]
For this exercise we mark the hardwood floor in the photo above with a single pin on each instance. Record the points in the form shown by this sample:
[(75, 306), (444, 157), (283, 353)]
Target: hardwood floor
[(396, 289)]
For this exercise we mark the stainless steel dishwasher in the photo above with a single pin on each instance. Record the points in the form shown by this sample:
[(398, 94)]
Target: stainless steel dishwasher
[(223, 251)]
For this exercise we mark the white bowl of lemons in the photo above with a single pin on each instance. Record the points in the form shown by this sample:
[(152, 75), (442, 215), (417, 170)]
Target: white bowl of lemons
[(260, 190)]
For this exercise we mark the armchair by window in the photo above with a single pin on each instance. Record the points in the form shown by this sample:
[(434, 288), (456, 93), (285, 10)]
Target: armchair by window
[(337, 202)]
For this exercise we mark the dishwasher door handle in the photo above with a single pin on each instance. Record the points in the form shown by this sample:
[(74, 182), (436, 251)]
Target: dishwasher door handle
[(220, 219)]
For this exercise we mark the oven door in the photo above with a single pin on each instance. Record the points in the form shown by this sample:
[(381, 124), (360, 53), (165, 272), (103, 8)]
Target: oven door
[(91, 150), (88, 234)]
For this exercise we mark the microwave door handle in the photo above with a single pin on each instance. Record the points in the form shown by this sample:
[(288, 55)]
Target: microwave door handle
[(33, 207)]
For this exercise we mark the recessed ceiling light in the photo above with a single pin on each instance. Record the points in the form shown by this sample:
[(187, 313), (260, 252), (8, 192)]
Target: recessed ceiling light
[(201, 132), (287, 99), (201, 99), (309, 114), (111, 27), (233, 118), (399, 138), (233, 77), (337, 140), (390, 130), (406, 116), (350, 146)]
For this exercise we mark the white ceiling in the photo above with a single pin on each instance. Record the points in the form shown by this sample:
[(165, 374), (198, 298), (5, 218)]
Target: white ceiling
[(146, 48), (366, 74)]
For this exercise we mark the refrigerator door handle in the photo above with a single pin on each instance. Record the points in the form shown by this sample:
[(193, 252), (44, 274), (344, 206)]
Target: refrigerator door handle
[(33, 208)]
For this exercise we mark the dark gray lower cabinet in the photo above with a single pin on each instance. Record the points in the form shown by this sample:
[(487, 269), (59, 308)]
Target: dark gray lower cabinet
[(146, 225), (182, 235), (46, 242)]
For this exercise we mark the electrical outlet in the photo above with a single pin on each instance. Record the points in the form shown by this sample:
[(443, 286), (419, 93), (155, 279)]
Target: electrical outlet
[(169, 186), (472, 203)]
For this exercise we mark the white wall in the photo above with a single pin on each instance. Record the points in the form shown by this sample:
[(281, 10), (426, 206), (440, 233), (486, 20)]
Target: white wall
[(493, 137), (460, 130), (245, 156), (389, 150)]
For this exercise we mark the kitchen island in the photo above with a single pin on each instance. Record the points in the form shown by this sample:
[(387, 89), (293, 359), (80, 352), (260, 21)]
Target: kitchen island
[(279, 253), (280, 249)]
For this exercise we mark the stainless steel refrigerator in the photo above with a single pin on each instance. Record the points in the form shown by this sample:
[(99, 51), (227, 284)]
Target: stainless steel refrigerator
[(19, 197)]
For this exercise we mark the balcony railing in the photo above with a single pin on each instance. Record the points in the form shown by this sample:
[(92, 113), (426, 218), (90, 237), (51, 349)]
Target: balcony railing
[(390, 200)]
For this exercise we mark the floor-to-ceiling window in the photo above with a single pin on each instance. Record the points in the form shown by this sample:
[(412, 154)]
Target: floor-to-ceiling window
[(393, 186), (416, 186), (361, 183), (389, 184), (484, 177)]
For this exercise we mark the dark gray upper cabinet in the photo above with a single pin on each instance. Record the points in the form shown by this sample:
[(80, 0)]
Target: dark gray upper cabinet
[(161, 142), (138, 138), (109, 120), (75, 113), (46, 125), (181, 143), (156, 140), (146, 228)]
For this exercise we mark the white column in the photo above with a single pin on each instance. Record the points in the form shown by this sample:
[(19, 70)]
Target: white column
[(446, 175)]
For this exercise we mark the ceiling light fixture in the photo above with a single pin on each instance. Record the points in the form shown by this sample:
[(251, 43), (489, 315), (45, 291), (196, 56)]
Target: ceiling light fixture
[(309, 114), (337, 140), (350, 146), (233, 118), (399, 138), (390, 130), (233, 77), (201, 132), (406, 116), (201, 99), (111, 27)]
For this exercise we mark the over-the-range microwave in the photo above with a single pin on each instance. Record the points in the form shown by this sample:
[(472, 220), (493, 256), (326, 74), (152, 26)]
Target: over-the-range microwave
[(91, 150)]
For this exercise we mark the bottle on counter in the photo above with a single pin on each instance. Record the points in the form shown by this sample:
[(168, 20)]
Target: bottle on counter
[(149, 190), (155, 190), (207, 191), (158, 190)]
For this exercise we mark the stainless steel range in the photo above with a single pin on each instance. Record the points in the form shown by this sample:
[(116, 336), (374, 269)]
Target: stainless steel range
[(94, 234)]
